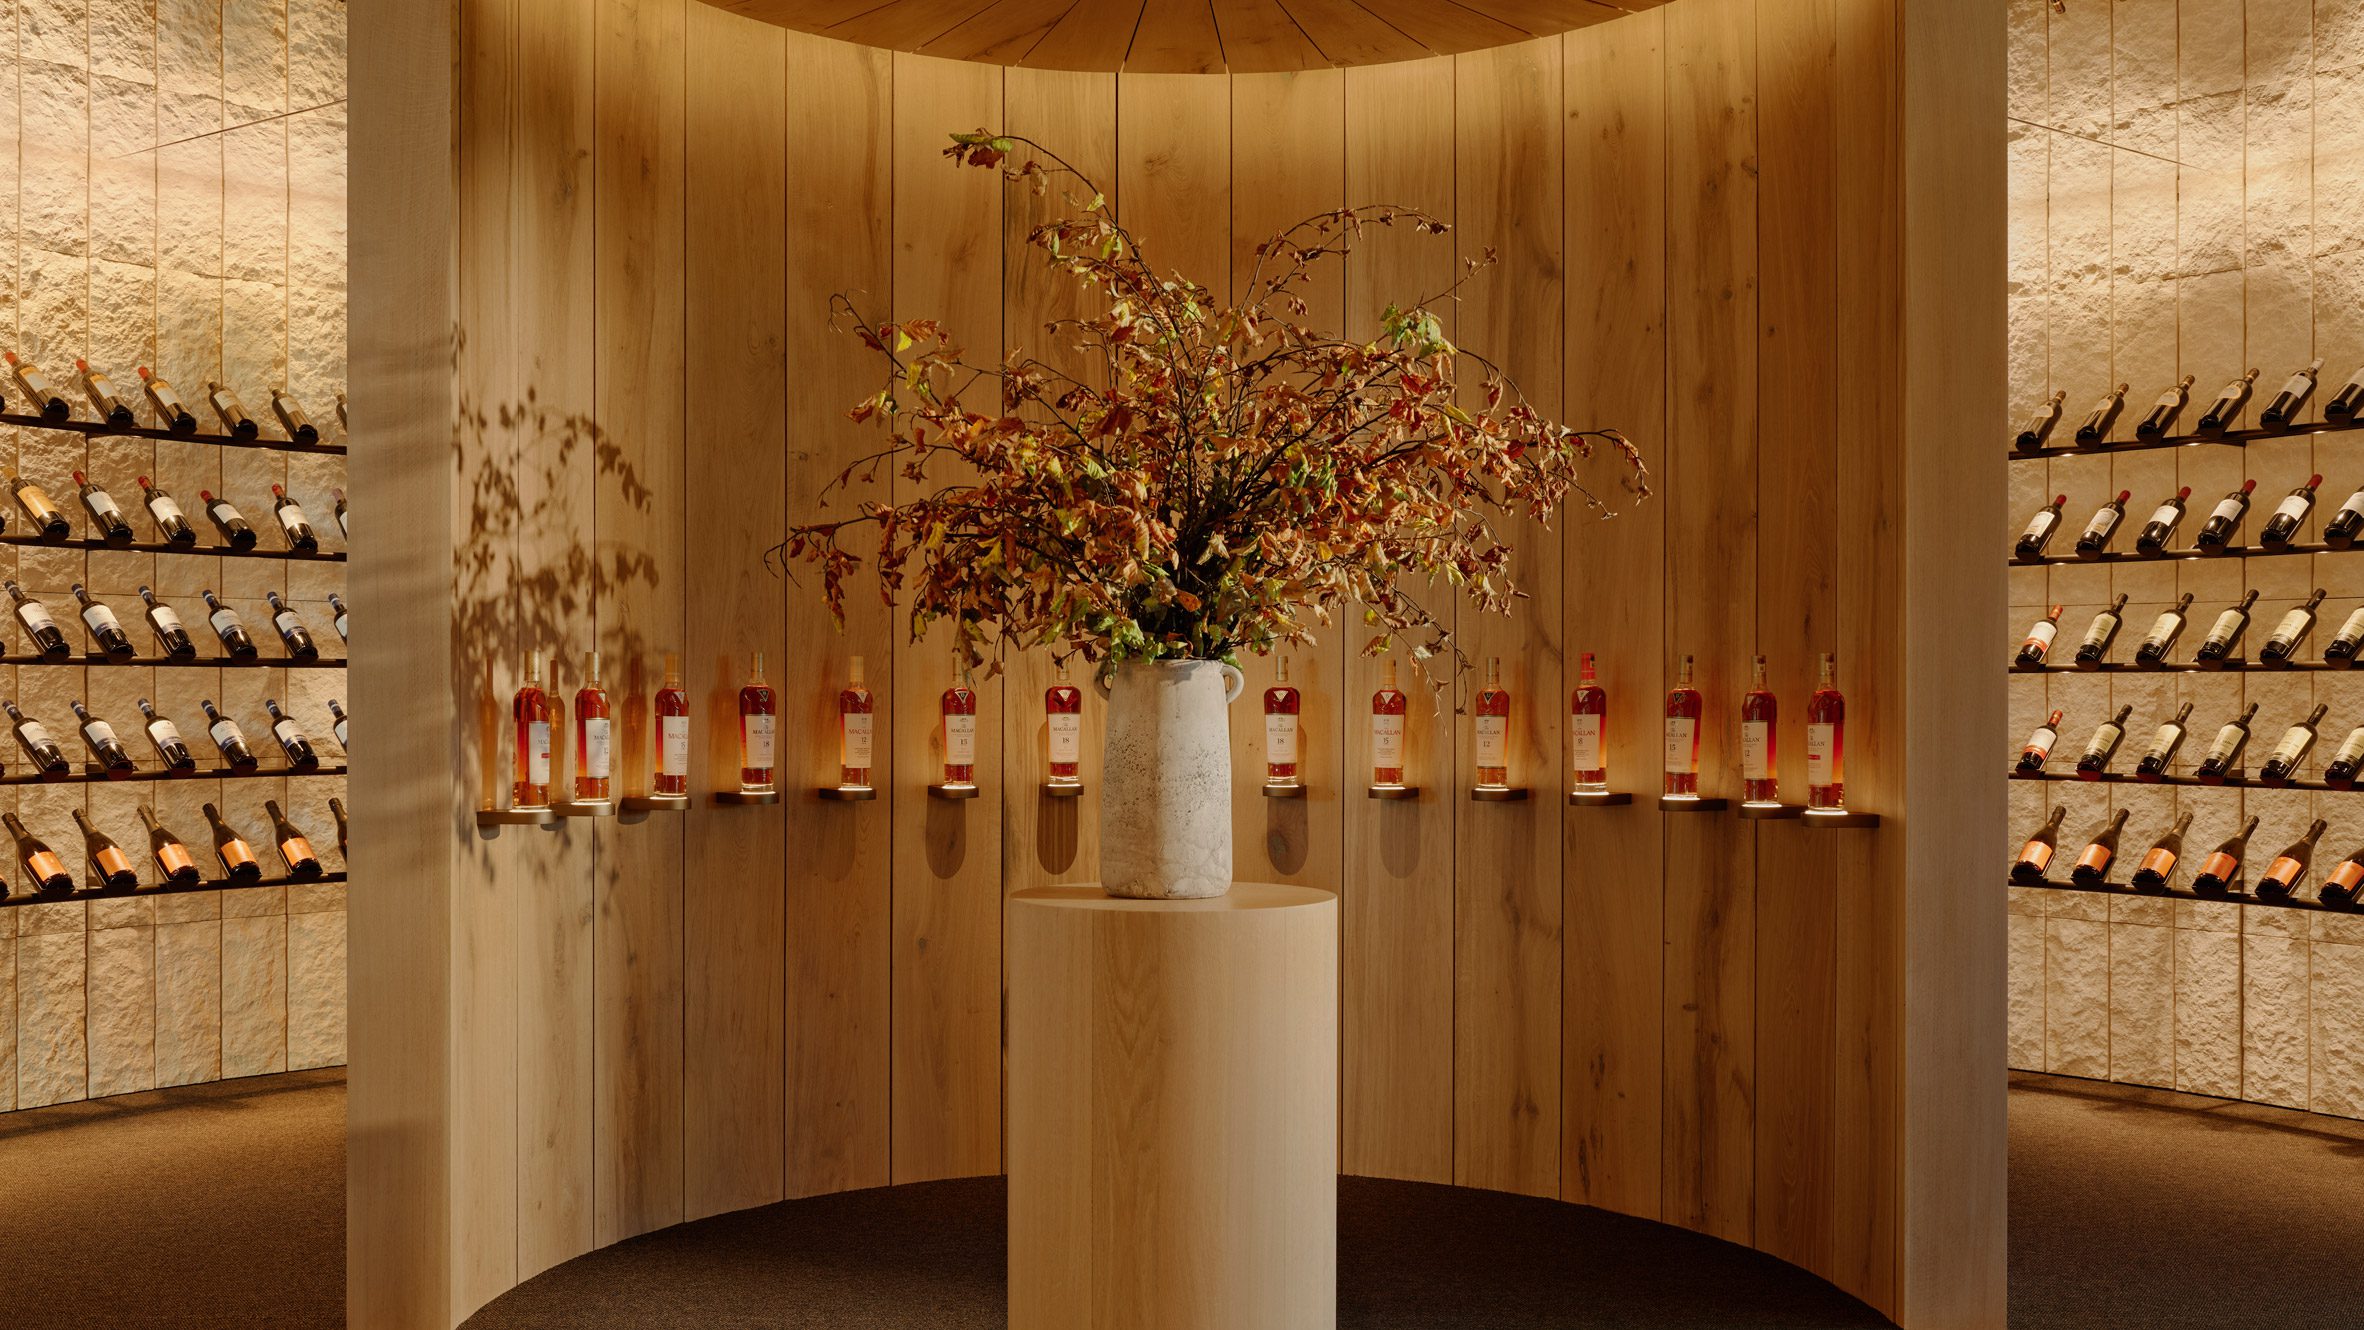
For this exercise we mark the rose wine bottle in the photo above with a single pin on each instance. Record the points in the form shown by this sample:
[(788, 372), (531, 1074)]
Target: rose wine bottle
[(2039, 425), (44, 516), (237, 856), (2225, 633), (292, 522), (43, 868), (336, 605), (2291, 633), (112, 757), (171, 638), (173, 860), (1062, 706), (2165, 629), (49, 760), (2221, 871), (2156, 868), (2096, 426), (595, 751), (2153, 538), (2284, 763), (2036, 855), (2282, 527), (2093, 866), (2282, 412), (46, 401), (958, 708), (1491, 710), (1588, 731), (101, 391), (2226, 408), (2345, 403), (2223, 759), (2216, 534), (166, 738), (338, 723), (228, 738), (41, 629), (2289, 868), (104, 628), (2039, 639), (108, 863), (856, 735), (227, 520), (2038, 749), (2094, 540), (171, 416), (292, 632), (2104, 630), (1826, 742), (170, 521), (295, 848), (2103, 746), (2346, 760), (759, 719), (2163, 412), (671, 705), (106, 516), (1760, 781), (531, 712), (235, 422), (301, 755), (299, 426), (1683, 712), (1387, 731), (2340, 885), (2039, 529), (1281, 705), (2155, 763)]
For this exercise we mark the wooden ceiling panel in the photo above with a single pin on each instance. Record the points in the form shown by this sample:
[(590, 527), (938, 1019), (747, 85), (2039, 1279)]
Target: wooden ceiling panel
[(1444, 26), (1176, 37), (1003, 34), (1349, 34), (1259, 37), (1092, 36), (907, 25)]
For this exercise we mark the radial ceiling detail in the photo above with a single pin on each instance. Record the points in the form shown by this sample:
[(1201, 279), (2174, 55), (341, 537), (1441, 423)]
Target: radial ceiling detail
[(1185, 36)]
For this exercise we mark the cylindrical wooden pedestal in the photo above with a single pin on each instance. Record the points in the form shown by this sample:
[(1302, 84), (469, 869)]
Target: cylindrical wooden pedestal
[(1173, 1111)]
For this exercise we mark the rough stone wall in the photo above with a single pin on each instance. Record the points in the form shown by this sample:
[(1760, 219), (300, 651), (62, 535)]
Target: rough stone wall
[(172, 193), (2188, 198)]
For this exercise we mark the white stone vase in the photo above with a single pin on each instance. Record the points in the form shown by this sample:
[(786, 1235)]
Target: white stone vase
[(1165, 793)]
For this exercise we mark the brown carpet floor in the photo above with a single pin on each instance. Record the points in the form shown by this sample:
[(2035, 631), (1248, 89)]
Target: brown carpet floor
[(222, 1205)]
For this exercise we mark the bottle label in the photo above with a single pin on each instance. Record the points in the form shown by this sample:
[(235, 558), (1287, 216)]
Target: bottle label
[(2352, 631), (2095, 859), (2228, 741), (102, 621), (2039, 744), (174, 858), (341, 634), (673, 745), (99, 733), (2042, 634), (36, 618), (2158, 863), (2227, 624), (1585, 732), (1682, 747), (2285, 870), (224, 620), (1066, 731), (225, 514), (1822, 747), (167, 511), (1493, 741), (2105, 740), (34, 736), (1387, 741), (165, 619), (44, 865), (234, 853), (2166, 515), (2041, 526), (2352, 509), (2295, 507), (854, 734), (1280, 739), (291, 519), (2350, 752), (2105, 627), (102, 506), (598, 751), (163, 733), (286, 622), (760, 731), (960, 741), (2163, 629), (2293, 744), (1756, 741), (2293, 623), (2036, 855), (2103, 523), (2228, 510), (297, 850), (2220, 866), (537, 751)]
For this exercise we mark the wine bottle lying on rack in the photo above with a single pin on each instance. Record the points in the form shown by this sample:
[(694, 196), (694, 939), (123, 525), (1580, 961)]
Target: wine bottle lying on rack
[(2039, 425), (2345, 403), (292, 522), (171, 416), (2036, 855), (301, 755), (108, 863), (165, 738), (235, 422), (2282, 412), (170, 520), (105, 748), (2223, 759), (2282, 527), (2160, 758), (2225, 633), (42, 866), (2093, 865), (2163, 412), (2152, 652), (295, 848), (2283, 764), (2216, 534), (173, 859), (236, 532), (2340, 885), (2039, 529), (237, 857), (342, 529), (104, 628), (232, 630), (2282, 647), (2226, 408), (2096, 426), (292, 632), (49, 760), (106, 516), (336, 808), (299, 426), (2220, 872), (46, 402), (2346, 760), (2289, 868), (337, 603), (2038, 749), (2157, 866), (2039, 639), (2103, 745), (42, 516), (2094, 540), (229, 740), (2101, 633), (101, 392), (2155, 534), (171, 637), (40, 626)]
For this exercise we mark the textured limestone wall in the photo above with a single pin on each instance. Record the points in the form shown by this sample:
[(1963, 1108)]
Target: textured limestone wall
[(2188, 198), (174, 196)]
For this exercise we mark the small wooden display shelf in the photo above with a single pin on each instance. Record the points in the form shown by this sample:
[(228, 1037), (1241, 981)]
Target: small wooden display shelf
[(2233, 438), (2128, 892), (745, 798), (587, 808), (1391, 791), (166, 889), (167, 547), (1756, 811), (655, 803), (1845, 818), (101, 429), (1599, 798), (1690, 803), (516, 817), (953, 790), (847, 794), (1052, 789), (1498, 794), (1289, 791)]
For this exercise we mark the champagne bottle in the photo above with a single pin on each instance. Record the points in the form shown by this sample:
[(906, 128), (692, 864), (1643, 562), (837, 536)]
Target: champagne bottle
[(337, 604), (292, 522), (46, 519), (46, 401), (106, 516), (2340, 885), (2220, 872), (2225, 633), (2223, 758), (2155, 534), (299, 426), (336, 712), (292, 632), (2283, 764), (228, 739), (2103, 745), (2282, 527), (2291, 632), (171, 637), (2093, 866), (108, 863), (2157, 866), (2156, 763), (227, 520), (166, 738), (2039, 529), (336, 807), (237, 857), (171, 416), (101, 391), (235, 422), (2226, 408), (2345, 403), (43, 868), (295, 848), (41, 629), (301, 756), (113, 758), (170, 521), (173, 860), (2163, 412), (2096, 426), (2289, 868), (2282, 412), (49, 760), (2164, 631), (2346, 760), (2216, 534), (2036, 856), (2094, 540), (2096, 647), (2038, 750), (2039, 640), (2039, 426), (228, 626)]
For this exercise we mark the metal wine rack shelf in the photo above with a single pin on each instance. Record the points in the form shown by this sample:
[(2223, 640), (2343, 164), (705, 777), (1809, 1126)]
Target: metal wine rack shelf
[(144, 891), (2185, 782), (101, 429), (2229, 667), (167, 547), (81, 658), (2122, 890), (2234, 438), (2229, 552), (92, 774)]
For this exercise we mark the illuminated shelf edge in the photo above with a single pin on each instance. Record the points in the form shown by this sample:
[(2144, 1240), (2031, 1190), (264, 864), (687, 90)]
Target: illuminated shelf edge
[(847, 793), (1498, 794), (1272, 791), (745, 798), (953, 790), (516, 817), (655, 803), (1599, 798), (1052, 789), (1392, 792), (1690, 803)]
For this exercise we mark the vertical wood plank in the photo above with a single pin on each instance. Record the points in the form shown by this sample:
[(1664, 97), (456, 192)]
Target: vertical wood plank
[(1711, 577), (947, 917), (734, 1115), (1174, 173), (1507, 115), (1615, 607), (1396, 890), (839, 199)]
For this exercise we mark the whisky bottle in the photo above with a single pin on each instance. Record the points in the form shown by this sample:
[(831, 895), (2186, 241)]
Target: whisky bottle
[(1387, 731), (1281, 707), (531, 712), (1062, 705), (759, 719), (1759, 716), (1588, 726), (595, 753), (673, 731), (855, 730), (957, 712), (1683, 712), (1826, 742), (1492, 740)]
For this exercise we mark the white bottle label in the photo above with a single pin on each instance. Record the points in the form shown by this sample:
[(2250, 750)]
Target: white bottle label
[(1756, 742), (760, 730), (342, 741), (33, 735), (598, 750), (2171, 397), (2227, 624), (854, 735), (2164, 628), (286, 622), (102, 505), (2295, 507), (36, 618), (99, 733), (2352, 751), (1280, 739), (101, 620), (1682, 749), (2352, 630), (1822, 743), (1493, 741), (2042, 740), (166, 510), (2105, 625), (1585, 736), (1066, 729), (341, 629), (291, 520), (1387, 741), (960, 741), (2103, 523), (2293, 743), (2043, 523), (2106, 736), (226, 514), (2165, 514), (286, 732), (163, 733), (2227, 510), (2292, 625), (165, 619), (223, 620), (673, 745), (2043, 633), (2355, 504), (537, 751), (2227, 739)]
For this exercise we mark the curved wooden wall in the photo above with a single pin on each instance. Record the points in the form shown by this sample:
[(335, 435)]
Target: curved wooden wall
[(596, 238)]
